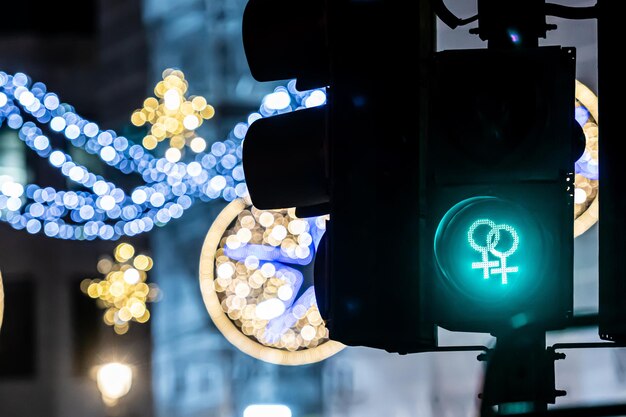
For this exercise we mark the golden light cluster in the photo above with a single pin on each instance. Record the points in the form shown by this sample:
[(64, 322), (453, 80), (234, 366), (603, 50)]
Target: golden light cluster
[(243, 285), (586, 190), (123, 292), (240, 293), (174, 116)]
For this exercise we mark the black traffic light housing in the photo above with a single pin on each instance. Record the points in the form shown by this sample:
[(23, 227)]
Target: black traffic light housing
[(358, 156), (407, 150), (502, 148), (287, 39), (371, 289), (302, 179), (450, 196)]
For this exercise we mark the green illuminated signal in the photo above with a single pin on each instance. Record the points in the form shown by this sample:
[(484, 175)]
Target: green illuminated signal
[(493, 237), (490, 249)]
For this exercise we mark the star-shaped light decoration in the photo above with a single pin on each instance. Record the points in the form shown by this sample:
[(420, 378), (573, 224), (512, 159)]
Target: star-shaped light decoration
[(123, 292), (174, 116)]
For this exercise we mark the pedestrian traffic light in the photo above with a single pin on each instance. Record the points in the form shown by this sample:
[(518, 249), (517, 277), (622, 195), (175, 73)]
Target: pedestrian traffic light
[(357, 158), (502, 148)]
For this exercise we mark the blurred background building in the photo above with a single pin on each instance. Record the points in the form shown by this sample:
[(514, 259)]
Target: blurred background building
[(104, 58), (95, 56)]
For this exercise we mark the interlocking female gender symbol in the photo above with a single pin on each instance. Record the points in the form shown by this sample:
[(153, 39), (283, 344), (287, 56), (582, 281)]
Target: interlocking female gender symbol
[(492, 239)]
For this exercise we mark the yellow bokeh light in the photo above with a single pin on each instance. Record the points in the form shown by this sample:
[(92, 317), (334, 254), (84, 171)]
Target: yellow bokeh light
[(137, 309), (159, 89), (144, 318), (191, 122), (150, 142), (142, 289), (124, 251), (116, 289), (177, 142), (208, 112), (138, 118), (151, 103), (121, 328), (198, 144), (142, 262), (109, 316), (131, 276), (158, 130), (124, 314), (187, 109), (123, 292), (171, 114), (198, 103), (94, 290)]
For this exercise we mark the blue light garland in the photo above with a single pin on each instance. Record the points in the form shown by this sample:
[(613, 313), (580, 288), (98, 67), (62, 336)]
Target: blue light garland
[(103, 210)]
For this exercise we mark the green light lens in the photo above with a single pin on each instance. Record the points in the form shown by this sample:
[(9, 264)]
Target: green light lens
[(490, 249)]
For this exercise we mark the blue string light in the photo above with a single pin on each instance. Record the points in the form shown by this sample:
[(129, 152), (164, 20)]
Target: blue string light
[(101, 209)]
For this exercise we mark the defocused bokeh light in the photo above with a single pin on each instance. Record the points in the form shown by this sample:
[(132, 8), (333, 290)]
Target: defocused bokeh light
[(586, 181), (255, 289), (174, 116), (104, 210), (123, 292), (114, 381), (171, 185)]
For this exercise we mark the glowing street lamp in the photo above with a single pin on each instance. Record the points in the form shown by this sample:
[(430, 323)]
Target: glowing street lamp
[(114, 381)]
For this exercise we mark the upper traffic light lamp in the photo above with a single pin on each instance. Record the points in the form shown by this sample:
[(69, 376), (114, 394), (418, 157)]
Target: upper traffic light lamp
[(287, 39)]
